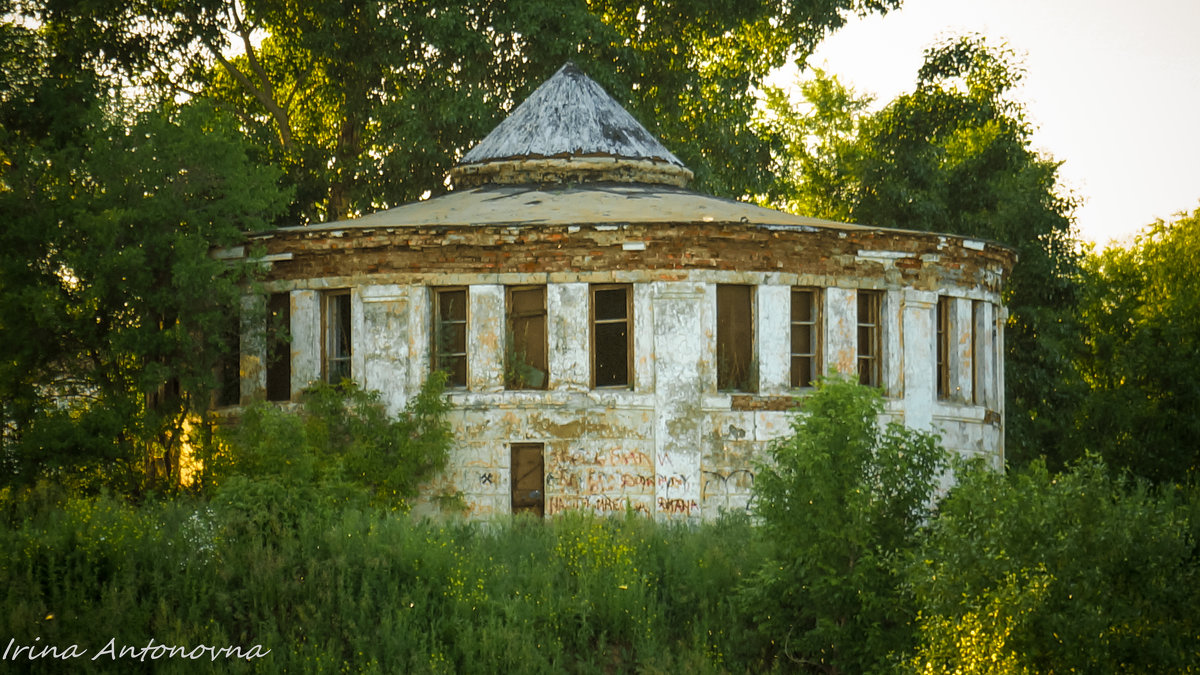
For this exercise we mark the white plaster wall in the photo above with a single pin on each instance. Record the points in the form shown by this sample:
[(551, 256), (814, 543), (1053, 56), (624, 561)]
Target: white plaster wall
[(306, 339), (773, 338), (962, 334), (917, 313), (678, 346), (252, 350), (485, 337), (383, 348), (840, 343), (567, 325)]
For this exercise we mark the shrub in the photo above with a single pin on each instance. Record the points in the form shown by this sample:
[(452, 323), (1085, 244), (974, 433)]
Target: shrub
[(841, 502), (1073, 572)]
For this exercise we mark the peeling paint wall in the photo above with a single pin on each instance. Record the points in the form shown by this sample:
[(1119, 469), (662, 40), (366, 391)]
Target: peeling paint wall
[(670, 444)]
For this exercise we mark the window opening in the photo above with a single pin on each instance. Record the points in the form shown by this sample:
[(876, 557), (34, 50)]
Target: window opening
[(525, 352), (806, 365), (943, 347), (736, 367), (337, 337), (450, 335), (870, 371), (612, 336), (279, 348)]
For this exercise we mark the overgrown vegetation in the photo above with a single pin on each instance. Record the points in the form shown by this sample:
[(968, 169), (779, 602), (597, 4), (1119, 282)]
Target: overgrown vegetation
[(845, 568)]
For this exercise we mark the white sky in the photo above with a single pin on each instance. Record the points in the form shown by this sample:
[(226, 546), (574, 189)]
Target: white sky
[(1112, 86)]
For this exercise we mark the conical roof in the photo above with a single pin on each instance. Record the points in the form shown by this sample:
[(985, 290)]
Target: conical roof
[(569, 130)]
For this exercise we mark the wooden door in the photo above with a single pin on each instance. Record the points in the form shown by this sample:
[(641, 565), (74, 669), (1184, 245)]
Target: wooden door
[(528, 479)]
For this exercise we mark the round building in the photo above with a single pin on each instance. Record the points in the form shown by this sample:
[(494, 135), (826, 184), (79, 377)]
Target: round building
[(614, 340)]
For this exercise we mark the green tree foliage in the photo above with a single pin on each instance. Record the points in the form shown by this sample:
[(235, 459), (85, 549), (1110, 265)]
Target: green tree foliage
[(841, 501), (341, 443), (367, 104), (1141, 310), (1037, 572), (954, 156), (113, 314)]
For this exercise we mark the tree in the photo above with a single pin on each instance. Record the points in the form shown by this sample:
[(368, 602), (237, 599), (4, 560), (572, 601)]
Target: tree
[(841, 501), (367, 104), (112, 310), (1141, 311), (954, 156), (1038, 572)]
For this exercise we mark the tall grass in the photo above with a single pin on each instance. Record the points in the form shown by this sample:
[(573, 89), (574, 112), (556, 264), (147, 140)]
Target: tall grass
[(356, 589)]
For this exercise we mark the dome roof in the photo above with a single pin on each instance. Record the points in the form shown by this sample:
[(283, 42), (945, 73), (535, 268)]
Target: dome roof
[(569, 130)]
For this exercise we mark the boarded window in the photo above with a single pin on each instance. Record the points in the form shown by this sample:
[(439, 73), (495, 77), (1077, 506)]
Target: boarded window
[(336, 326), (279, 349), (943, 347), (528, 479), (450, 334), (870, 338), (525, 362), (612, 336), (806, 345), (735, 339)]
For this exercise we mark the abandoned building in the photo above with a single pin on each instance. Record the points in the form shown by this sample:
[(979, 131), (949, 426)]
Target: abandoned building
[(615, 341)]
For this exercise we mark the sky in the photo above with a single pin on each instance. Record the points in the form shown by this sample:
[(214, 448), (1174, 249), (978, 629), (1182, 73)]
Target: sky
[(1113, 89)]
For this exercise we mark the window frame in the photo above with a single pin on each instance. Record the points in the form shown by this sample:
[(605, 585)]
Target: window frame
[(329, 334), (815, 342), (872, 376), (513, 380), (437, 353), (628, 320)]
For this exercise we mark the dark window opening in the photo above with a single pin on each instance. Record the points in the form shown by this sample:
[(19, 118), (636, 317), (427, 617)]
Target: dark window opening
[(870, 367), (612, 336), (943, 347), (337, 337), (450, 335), (525, 355), (528, 479), (229, 367), (806, 349), (735, 339)]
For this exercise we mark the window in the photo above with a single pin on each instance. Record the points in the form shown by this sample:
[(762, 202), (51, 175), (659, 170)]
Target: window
[(229, 389), (336, 326), (612, 336), (528, 479), (525, 362), (450, 334), (943, 347), (735, 339), (806, 363), (870, 367), (279, 350)]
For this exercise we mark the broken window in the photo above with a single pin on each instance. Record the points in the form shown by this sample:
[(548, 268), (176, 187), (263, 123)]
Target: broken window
[(279, 349), (336, 326), (806, 363), (528, 479), (735, 339), (943, 347), (450, 334), (525, 353), (612, 335), (870, 338)]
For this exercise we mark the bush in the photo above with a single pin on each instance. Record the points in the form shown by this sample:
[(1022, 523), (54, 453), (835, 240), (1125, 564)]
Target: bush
[(841, 501), (1075, 572)]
